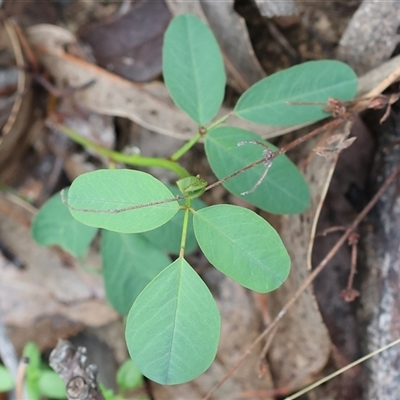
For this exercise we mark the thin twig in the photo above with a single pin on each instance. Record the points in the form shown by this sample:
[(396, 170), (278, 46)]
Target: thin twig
[(276, 153), (341, 370), (332, 124), (65, 200), (349, 294), (262, 364), (308, 281), (20, 390)]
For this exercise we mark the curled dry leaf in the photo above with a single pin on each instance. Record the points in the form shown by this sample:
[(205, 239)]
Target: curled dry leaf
[(19, 115)]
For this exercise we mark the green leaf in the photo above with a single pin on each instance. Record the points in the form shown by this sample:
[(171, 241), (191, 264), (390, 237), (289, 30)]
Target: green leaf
[(173, 328), (266, 102), (243, 246), (121, 200), (54, 224), (193, 68), (32, 352), (130, 262), (129, 376), (108, 394), (51, 385), (283, 191), (168, 236), (6, 380)]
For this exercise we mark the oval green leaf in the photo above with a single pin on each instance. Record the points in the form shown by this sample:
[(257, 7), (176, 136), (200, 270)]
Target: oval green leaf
[(31, 351), (168, 236), (283, 191), (51, 385), (173, 327), (193, 68), (266, 102), (129, 376), (6, 380), (130, 262), (243, 246), (54, 225), (123, 200)]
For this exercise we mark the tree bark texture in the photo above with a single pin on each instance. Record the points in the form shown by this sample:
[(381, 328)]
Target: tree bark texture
[(379, 313)]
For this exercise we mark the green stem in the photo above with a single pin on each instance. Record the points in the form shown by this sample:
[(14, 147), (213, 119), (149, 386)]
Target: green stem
[(185, 227), (116, 156), (219, 121), (186, 147)]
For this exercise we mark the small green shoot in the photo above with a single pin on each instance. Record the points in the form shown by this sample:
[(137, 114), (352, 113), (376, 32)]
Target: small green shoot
[(6, 380)]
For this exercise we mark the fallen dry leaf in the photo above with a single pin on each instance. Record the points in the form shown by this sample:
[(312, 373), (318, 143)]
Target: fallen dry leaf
[(46, 289), (130, 44), (149, 105)]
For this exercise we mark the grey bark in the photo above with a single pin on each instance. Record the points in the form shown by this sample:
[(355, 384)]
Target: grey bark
[(380, 271)]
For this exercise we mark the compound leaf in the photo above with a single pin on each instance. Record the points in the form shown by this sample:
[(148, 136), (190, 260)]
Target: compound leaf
[(173, 327), (121, 200), (54, 224), (283, 191), (193, 68), (130, 262), (243, 246), (268, 101), (51, 385)]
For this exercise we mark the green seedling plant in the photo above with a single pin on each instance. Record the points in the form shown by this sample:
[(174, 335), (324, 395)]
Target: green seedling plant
[(40, 380), (173, 323), (7, 382)]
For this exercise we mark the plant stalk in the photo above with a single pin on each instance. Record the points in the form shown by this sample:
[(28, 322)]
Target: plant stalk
[(136, 160), (185, 228), (186, 147)]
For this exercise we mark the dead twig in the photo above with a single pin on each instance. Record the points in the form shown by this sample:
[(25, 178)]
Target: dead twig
[(349, 294), (20, 390)]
